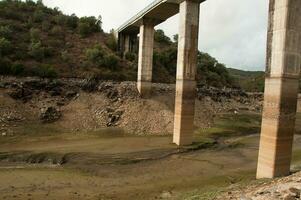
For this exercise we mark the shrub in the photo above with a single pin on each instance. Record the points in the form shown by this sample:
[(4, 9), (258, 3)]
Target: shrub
[(88, 25), (37, 51), (46, 25), (38, 16), (35, 35), (44, 71), (111, 42), (58, 32), (65, 56), (110, 61), (5, 46), (54, 42), (49, 51), (95, 54), (5, 65), (17, 69), (5, 32), (60, 19), (72, 21), (84, 29), (130, 56)]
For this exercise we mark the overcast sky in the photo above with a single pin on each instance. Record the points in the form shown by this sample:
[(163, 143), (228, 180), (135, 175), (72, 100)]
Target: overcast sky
[(233, 31)]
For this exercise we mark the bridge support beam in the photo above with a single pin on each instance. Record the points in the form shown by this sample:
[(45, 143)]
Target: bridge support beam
[(281, 88), (145, 57), (186, 72), (127, 43)]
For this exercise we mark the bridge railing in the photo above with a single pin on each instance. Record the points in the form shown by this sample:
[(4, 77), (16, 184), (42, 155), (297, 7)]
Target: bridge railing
[(140, 14)]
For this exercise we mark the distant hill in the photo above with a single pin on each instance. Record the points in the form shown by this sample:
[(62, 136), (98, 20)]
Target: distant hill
[(250, 81), (39, 41)]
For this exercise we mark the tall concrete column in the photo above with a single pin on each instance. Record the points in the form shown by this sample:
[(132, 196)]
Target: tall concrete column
[(281, 88), (127, 44), (145, 57), (186, 72)]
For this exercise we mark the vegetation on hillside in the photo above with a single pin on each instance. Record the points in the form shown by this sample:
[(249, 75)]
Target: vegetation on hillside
[(209, 71), (251, 81), (39, 41)]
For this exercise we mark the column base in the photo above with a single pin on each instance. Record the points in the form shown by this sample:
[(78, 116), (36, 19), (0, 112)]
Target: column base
[(184, 112), (278, 127), (144, 88)]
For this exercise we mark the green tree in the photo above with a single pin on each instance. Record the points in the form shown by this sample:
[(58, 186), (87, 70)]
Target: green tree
[(88, 25), (160, 37), (72, 21)]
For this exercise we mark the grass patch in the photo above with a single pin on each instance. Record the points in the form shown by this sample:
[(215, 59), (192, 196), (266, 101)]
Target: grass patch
[(215, 186), (37, 129), (296, 156), (229, 125)]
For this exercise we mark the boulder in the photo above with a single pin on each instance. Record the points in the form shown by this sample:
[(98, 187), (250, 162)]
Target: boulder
[(21, 93), (89, 84), (50, 114)]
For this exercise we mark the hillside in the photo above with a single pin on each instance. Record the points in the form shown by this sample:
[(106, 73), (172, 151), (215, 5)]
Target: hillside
[(39, 41), (251, 81)]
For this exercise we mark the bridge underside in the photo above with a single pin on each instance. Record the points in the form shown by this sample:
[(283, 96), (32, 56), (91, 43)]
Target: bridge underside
[(159, 15), (283, 69)]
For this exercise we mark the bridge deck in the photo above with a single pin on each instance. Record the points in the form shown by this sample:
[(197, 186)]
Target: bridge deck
[(160, 10)]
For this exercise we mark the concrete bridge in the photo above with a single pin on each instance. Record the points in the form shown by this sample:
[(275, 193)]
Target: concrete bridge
[(282, 73)]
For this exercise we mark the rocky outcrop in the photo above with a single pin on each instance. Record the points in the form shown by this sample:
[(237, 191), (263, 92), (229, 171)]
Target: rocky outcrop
[(50, 114), (287, 188), (90, 104)]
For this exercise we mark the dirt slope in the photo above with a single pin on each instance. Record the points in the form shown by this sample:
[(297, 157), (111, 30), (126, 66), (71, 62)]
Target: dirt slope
[(83, 105)]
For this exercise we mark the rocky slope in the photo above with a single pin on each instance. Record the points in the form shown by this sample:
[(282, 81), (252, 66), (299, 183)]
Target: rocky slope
[(287, 188), (89, 104)]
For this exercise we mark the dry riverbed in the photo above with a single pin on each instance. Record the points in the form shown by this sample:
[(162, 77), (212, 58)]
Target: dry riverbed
[(109, 164)]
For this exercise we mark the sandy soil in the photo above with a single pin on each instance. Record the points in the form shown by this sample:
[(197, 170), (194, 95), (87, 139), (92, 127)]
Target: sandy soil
[(121, 167)]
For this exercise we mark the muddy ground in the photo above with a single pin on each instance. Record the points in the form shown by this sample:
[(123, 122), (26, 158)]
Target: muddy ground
[(97, 144)]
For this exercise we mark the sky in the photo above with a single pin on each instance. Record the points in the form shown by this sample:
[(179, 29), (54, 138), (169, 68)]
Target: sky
[(232, 31)]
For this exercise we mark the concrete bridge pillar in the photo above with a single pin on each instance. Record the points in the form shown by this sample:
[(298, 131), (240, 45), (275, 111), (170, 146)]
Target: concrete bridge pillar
[(281, 88), (127, 44), (186, 72), (145, 57)]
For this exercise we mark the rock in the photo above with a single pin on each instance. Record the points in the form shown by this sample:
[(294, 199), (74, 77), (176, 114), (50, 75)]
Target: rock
[(166, 195), (60, 103), (288, 197), (112, 94), (21, 93), (89, 84), (245, 198), (294, 191), (4, 134), (221, 95), (56, 92), (71, 94), (113, 117), (50, 114)]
